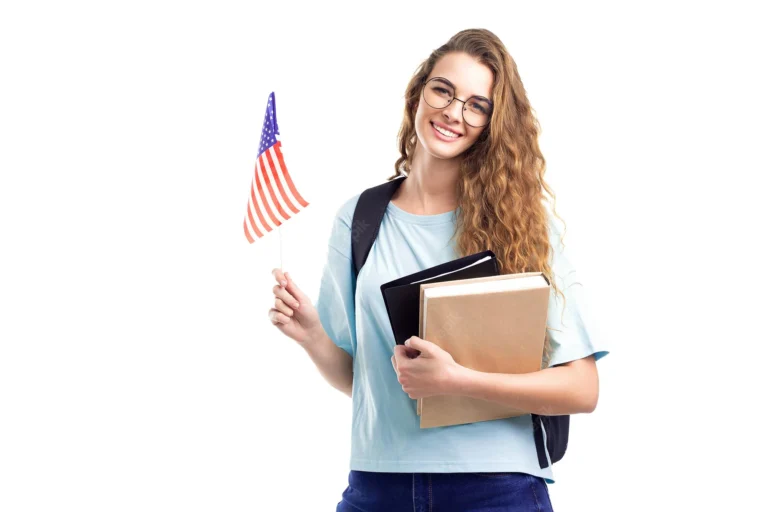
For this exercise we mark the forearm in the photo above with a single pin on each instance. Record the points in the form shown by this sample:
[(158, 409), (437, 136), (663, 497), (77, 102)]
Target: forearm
[(333, 362), (550, 392)]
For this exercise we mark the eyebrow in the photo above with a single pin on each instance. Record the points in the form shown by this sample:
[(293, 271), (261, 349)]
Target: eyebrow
[(448, 82)]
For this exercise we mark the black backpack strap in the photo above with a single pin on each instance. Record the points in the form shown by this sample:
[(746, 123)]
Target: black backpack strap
[(556, 429), (366, 220), (538, 438)]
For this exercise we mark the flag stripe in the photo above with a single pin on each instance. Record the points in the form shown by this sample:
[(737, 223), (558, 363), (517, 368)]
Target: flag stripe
[(277, 174), (277, 179), (247, 232), (262, 186), (295, 192), (263, 199), (251, 209), (257, 206), (283, 181), (270, 166)]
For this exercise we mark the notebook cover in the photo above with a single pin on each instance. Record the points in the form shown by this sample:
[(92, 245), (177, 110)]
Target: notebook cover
[(401, 296), (497, 332)]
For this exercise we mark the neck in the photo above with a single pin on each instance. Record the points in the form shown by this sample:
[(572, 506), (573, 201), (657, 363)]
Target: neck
[(431, 185)]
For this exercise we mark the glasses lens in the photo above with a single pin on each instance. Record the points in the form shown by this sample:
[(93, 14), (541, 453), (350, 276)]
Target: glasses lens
[(477, 111), (438, 94)]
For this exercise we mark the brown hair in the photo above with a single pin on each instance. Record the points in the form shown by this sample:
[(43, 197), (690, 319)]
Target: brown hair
[(501, 183)]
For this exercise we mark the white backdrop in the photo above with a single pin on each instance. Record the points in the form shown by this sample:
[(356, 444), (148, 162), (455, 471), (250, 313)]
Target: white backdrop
[(138, 368)]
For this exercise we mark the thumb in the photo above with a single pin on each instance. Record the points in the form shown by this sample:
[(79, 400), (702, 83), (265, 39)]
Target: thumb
[(419, 344)]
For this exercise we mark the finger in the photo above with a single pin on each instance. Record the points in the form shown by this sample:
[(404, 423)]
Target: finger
[(399, 355), (411, 353), (285, 296), (283, 307), (404, 352), (294, 290), (277, 317), (414, 342), (280, 276), (417, 345)]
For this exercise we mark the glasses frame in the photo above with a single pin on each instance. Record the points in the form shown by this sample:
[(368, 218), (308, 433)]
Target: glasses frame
[(423, 95)]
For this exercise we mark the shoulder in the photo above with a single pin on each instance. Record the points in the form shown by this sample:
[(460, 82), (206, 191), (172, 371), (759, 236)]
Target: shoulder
[(564, 272), (345, 213), (341, 230)]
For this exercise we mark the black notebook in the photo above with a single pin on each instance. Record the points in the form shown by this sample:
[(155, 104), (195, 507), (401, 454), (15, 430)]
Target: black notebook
[(401, 296)]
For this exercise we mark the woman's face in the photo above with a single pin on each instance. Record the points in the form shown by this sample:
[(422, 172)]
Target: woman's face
[(469, 78)]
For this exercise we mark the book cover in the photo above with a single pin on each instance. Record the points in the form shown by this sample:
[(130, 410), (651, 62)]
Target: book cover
[(492, 324)]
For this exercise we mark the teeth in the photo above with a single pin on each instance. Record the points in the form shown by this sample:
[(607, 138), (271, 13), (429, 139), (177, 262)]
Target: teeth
[(445, 132)]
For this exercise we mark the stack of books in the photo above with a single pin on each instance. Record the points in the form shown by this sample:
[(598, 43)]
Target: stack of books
[(488, 322)]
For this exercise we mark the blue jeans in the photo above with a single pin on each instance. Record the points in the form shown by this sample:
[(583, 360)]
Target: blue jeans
[(444, 492)]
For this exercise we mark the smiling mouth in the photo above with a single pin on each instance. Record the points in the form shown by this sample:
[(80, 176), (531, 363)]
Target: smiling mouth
[(455, 136)]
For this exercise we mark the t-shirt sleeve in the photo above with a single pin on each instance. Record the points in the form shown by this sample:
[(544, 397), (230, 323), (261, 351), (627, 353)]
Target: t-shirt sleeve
[(335, 302), (572, 329)]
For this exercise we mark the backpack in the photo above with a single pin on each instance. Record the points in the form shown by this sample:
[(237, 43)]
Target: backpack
[(366, 220)]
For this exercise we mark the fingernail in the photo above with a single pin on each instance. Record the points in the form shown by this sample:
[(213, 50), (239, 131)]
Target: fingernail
[(296, 305), (284, 282)]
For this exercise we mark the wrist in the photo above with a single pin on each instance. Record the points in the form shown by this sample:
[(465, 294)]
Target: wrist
[(314, 337), (459, 380)]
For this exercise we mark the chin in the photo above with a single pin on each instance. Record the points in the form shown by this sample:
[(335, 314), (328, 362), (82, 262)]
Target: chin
[(442, 152)]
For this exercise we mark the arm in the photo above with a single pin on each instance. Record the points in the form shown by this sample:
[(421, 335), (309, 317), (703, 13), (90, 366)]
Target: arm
[(568, 389), (334, 363), (299, 319)]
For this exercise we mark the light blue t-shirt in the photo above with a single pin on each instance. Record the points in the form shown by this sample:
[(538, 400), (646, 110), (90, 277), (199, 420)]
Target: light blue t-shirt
[(386, 436)]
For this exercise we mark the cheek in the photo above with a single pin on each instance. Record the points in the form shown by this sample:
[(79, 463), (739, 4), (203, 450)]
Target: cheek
[(472, 136)]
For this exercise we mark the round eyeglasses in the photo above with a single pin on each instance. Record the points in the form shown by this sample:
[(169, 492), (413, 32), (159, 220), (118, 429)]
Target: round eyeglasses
[(438, 92)]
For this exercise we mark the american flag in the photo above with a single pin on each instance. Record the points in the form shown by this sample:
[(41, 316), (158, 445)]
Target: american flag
[(274, 198)]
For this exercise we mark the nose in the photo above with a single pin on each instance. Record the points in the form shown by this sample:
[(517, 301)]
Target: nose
[(453, 112)]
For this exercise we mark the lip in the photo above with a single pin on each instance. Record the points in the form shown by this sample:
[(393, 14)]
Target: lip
[(440, 135)]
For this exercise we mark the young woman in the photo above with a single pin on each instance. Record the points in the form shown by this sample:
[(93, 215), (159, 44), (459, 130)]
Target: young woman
[(469, 149)]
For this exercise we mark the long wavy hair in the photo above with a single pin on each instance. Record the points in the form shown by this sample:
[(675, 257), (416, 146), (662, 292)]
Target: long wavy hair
[(501, 185)]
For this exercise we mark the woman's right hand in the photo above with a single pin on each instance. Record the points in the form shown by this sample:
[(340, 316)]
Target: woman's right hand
[(293, 313)]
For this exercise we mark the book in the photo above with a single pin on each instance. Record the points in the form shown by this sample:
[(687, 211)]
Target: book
[(494, 324), (401, 296)]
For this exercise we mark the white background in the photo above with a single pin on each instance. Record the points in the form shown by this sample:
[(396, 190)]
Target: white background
[(138, 368)]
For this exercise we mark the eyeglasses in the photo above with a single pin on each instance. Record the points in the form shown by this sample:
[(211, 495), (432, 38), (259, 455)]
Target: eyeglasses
[(438, 92)]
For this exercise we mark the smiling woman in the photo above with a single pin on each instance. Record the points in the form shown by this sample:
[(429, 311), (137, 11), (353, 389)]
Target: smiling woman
[(473, 180)]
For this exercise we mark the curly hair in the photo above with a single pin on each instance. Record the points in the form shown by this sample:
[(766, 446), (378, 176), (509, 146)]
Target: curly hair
[(501, 176)]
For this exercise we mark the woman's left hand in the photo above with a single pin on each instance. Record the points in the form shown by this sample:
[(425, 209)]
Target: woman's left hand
[(424, 369)]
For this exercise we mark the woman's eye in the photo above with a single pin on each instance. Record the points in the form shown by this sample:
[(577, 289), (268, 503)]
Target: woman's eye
[(481, 108), (442, 90)]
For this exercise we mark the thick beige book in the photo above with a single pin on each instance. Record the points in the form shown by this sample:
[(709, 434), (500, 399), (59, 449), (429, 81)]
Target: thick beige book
[(493, 324)]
